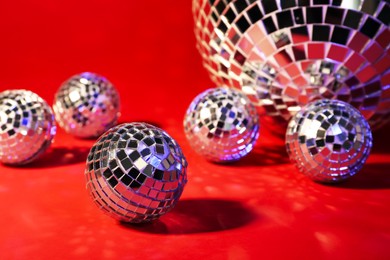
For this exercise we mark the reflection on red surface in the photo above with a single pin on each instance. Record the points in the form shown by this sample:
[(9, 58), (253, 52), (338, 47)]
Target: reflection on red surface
[(259, 207)]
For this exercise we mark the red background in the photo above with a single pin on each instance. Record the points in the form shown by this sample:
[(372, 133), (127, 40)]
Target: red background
[(259, 207)]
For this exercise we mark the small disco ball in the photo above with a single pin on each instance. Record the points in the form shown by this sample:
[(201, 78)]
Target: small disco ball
[(286, 53), (27, 126), (86, 105), (329, 140), (136, 172), (221, 124)]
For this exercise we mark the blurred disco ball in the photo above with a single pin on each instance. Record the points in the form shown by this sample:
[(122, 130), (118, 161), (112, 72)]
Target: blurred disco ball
[(136, 172), (221, 124), (329, 140), (27, 126), (86, 105), (286, 53)]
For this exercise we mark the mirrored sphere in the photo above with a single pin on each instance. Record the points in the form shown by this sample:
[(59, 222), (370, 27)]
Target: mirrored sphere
[(221, 124), (86, 105), (328, 140), (136, 172), (285, 54), (27, 126)]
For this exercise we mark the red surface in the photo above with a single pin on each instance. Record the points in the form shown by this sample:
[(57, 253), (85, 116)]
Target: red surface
[(257, 208)]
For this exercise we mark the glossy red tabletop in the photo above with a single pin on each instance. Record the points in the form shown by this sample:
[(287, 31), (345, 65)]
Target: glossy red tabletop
[(257, 208)]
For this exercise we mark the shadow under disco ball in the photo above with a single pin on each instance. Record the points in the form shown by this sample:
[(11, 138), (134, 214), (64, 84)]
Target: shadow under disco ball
[(285, 54)]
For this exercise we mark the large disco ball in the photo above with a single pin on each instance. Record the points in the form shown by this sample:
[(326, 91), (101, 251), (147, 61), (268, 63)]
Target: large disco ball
[(286, 53)]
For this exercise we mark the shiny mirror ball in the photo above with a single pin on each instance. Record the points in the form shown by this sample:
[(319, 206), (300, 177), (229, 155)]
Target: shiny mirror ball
[(221, 124), (285, 54), (86, 105), (136, 172), (27, 126), (328, 140)]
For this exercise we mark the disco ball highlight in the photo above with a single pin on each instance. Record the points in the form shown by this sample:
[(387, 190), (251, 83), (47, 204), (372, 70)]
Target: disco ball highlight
[(136, 172), (286, 54), (27, 126), (86, 105), (221, 124), (328, 140)]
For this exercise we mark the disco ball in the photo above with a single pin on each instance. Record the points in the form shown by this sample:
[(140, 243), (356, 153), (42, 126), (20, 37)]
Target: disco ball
[(86, 105), (136, 172), (27, 126), (329, 140), (285, 54), (221, 124)]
